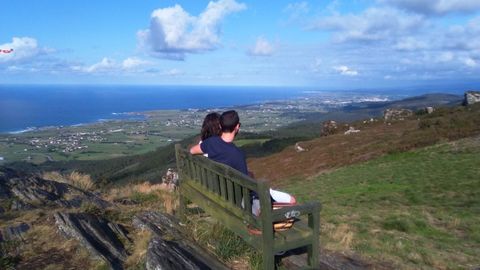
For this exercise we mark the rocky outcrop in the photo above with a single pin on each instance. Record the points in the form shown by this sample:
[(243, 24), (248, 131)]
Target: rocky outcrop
[(328, 128), (471, 97), (298, 148), (15, 232), (98, 235), (176, 252), (30, 191), (170, 177), (168, 255), (351, 130), (396, 114)]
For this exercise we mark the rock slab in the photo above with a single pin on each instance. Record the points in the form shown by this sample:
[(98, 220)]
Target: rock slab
[(168, 249), (97, 234), (30, 191)]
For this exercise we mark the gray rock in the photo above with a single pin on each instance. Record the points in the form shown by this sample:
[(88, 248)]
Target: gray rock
[(168, 255), (429, 110), (177, 252), (125, 201), (170, 177), (29, 191), (95, 234), (471, 97), (15, 232), (396, 114), (19, 205), (328, 128)]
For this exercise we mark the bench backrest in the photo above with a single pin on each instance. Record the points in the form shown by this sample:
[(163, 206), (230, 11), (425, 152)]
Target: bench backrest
[(220, 188)]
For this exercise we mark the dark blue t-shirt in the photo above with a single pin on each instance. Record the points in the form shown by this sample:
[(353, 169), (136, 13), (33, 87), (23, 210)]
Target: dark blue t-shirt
[(226, 153)]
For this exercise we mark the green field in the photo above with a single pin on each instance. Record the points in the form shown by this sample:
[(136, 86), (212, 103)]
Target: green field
[(411, 210)]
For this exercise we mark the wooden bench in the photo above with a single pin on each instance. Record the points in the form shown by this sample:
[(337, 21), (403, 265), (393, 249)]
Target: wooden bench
[(224, 193)]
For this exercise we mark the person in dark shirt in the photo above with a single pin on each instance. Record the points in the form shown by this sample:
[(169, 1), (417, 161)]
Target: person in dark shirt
[(221, 148)]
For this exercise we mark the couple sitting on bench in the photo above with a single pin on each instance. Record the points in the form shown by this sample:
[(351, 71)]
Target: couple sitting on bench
[(217, 135)]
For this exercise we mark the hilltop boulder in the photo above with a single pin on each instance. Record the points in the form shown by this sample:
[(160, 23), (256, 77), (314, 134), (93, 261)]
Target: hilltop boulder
[(328, 128), (396, 114), (471, 97)]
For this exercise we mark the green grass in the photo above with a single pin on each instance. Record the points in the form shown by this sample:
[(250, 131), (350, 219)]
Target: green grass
[(240, 143), (418, 209)]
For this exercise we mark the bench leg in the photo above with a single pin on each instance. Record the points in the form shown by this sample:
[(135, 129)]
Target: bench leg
[(268, 258), (182, 208), (313, 248), (312, 252)]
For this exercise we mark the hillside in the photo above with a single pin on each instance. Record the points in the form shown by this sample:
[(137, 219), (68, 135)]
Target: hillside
[(374, 139), (400, 194), (416, 210)]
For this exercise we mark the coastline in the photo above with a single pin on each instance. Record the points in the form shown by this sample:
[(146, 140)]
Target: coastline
[(324, 98)]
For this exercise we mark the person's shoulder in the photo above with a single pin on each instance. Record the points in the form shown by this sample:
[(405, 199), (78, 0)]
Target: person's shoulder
[(211, 140)]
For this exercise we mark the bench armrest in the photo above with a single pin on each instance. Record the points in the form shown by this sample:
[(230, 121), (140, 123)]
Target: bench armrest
[(312, 208)]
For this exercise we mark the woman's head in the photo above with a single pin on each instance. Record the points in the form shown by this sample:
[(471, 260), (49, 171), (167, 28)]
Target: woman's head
[(211, 126)]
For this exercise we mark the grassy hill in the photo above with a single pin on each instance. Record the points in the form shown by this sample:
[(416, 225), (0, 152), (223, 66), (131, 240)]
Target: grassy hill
[(418, 209), (374, 140)]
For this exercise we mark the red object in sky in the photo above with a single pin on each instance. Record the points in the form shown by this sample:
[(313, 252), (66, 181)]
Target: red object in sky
[(6, 51)]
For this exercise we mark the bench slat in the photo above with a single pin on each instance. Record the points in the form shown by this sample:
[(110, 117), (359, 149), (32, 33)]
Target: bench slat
[(232, 208), (223, 188), (238, 195), (229, 172), (231, 195), (220, 212), (247, 201)]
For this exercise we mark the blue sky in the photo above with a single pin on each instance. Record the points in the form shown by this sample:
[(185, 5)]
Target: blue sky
[(324, 44)]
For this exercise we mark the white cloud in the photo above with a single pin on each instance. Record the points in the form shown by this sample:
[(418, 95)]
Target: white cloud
[(296, 10), (24, 48), (410, 44), (344, 70), (133, 63), (316, 66), (173, 72), (374, 24), (173, 32), (470, 62), (262, 48), (436, 7), (107, 65)]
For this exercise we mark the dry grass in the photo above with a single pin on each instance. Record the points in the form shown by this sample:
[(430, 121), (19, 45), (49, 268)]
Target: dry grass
[(82, 181), (342, 236), (139, 249), (44, 248)]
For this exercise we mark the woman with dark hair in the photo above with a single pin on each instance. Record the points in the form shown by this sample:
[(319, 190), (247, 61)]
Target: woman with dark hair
[(211, 126)]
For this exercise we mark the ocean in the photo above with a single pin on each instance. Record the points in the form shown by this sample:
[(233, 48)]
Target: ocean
[(23, 107), (34, 106)]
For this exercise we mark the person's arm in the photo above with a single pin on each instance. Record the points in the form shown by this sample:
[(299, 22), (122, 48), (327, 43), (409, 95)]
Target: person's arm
[(196, 150)]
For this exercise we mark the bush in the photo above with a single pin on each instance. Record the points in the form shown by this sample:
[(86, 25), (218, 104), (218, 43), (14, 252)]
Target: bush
[(397, 224)]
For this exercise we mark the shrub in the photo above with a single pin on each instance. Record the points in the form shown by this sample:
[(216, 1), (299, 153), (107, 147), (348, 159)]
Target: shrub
[(82, 181), (397, 224)]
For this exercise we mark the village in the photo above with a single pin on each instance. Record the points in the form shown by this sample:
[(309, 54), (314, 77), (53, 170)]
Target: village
[(112, 138)]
